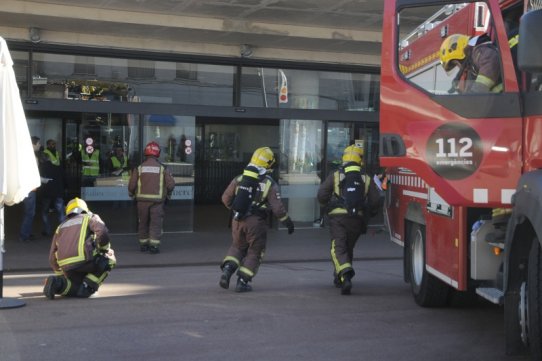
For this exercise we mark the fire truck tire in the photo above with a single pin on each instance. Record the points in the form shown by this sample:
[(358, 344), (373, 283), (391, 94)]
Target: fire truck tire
[(534, 300), (428, 291)]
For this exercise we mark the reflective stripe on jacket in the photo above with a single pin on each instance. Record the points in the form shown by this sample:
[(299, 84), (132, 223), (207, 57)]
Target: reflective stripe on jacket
[(91, 163)]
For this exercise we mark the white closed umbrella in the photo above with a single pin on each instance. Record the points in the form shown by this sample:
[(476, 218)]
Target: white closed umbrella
[(18, 169)]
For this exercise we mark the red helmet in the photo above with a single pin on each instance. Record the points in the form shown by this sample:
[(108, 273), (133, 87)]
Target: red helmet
[(152, 149)]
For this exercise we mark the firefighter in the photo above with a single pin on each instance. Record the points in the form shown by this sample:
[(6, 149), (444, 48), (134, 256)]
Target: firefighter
[(151, 184), (80, 254), (478, 61), (251, 197), (350, 197)]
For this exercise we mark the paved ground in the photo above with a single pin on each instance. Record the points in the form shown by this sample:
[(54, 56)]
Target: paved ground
[(294, 313), (169, 307)]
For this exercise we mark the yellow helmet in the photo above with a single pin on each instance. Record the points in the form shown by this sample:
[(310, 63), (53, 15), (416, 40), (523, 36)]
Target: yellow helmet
[(263, 157), (452, 48), (76, 205), (353, 153)]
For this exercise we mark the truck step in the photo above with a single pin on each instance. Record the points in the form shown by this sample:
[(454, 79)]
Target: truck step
[(493, 295)]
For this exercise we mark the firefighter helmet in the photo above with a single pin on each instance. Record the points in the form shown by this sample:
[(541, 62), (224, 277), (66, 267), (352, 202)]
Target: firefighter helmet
[(263, 157), (353, 153), (76, 205), (452, 48), (152, 149)]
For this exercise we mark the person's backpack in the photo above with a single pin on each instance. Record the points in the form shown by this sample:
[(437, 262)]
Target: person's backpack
[(352, 188), (245, 193)]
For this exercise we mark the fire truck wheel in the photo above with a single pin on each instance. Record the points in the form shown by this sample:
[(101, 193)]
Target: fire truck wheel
[(427, 290), (534, 301)]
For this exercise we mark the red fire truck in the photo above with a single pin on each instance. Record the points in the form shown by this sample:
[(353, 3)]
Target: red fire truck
[(465, 168)]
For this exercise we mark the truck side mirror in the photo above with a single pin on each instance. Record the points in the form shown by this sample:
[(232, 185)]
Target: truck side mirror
[(530, 40)]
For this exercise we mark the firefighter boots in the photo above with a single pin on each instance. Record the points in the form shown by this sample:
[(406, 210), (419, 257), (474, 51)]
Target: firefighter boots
[(144, 247), (242, 285), (53, 285), (346, 285), (227, 270), (154, 249)]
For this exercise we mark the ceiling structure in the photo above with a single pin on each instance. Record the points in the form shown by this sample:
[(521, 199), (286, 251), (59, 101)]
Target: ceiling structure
[(326, 31)]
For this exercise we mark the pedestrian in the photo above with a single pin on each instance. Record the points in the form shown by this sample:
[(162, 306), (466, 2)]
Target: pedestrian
[(251, 197), (478, 61), (151, 184), (351, 197), (29, 203), (90, 163), (81, 255), (118, 163), (52, 189)]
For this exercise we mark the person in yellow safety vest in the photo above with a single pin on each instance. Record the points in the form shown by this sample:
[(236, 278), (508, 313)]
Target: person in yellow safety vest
[(478, 60), (251, 197), (90, 158), (150, 184), (118, 163), (80, 255), (351, 197), (52, 189)]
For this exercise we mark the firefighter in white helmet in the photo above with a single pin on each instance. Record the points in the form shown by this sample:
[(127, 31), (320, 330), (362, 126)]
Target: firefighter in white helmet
[(80, 254), (251, 197)]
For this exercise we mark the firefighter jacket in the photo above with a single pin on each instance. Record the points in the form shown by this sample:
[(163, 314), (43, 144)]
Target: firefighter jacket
[(484, 69), (329, 196), (267, 198), (77, 240), (151, 181)]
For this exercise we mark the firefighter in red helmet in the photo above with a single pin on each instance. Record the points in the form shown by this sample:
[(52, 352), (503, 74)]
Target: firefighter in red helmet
[(80, 254), (151, 184), (251, 197)]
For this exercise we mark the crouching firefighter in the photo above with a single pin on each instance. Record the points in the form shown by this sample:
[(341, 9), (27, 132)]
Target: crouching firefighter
[(80, 254), (351, 197), (251, 197)]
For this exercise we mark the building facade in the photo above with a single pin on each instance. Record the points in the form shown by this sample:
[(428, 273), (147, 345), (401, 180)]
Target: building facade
[(207, 112)]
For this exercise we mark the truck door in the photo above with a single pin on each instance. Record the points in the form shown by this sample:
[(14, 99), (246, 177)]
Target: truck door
[(466, 144)]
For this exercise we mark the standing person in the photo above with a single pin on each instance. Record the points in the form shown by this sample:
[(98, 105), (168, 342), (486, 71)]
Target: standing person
[(29, 203), (80, 254), (90, 160), (118, 163), (52, 191), (478, 60), (350, 197), (151, 183), (251, 196)]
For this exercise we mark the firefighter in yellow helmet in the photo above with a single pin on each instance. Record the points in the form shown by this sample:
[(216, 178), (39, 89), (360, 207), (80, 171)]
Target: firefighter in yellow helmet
[(80, 254), (478, 62), (350, 197), (251, 197)]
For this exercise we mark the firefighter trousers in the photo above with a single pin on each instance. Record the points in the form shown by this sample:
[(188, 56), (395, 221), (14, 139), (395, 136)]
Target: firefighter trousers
[(248, 246), (345, 231), (151, 219), (85, 279)]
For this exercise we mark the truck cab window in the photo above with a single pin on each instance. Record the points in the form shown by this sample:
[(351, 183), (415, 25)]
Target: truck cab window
[(449, 50)]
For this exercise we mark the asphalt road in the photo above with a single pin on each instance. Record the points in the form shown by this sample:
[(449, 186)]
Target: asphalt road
[(294, 313)]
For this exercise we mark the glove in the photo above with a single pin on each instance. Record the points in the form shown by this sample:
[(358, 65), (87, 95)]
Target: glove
[(289, 224)]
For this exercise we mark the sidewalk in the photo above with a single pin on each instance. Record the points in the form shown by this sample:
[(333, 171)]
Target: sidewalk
[(207, 248)]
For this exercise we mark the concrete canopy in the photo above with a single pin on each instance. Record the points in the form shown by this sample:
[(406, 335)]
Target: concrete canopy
[(321, 31)]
